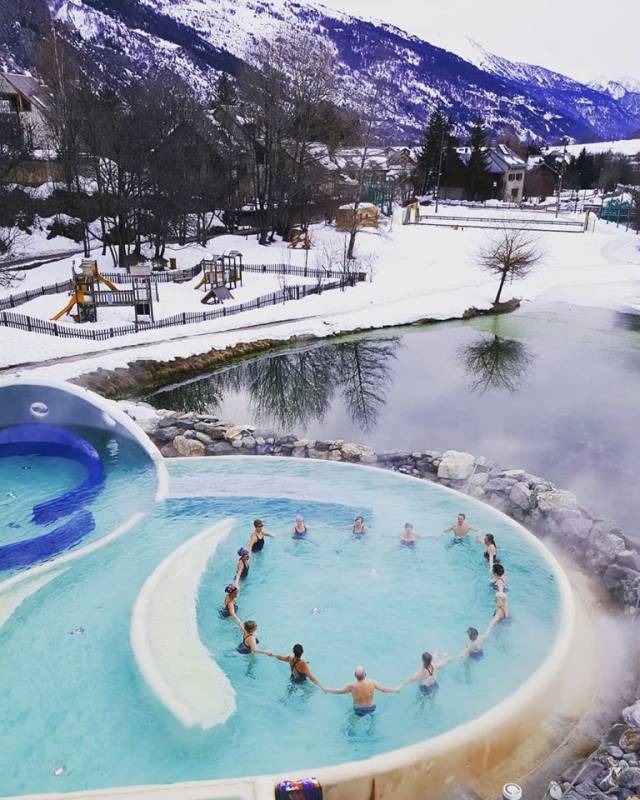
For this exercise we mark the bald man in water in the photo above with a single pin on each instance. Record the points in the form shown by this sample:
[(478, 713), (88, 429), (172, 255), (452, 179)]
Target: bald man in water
[(362, 692)]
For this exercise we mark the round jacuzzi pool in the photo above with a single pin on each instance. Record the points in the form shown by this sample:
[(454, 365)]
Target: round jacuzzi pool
[(104, 680)]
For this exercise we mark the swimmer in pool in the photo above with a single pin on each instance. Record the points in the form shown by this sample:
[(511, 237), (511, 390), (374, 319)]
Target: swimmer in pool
[(256, 540), (300, 529), (427, 674), (358, 528), (490, 550), (460, 528), (249, 643), (242, 567), (409, 537), (474, 648), (498, 578), (501, 613), (229, 606), (300, 669), (362, 692)]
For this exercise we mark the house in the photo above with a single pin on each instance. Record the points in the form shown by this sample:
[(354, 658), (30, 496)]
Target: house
[(25, 96), (540, 179), (507, 171)]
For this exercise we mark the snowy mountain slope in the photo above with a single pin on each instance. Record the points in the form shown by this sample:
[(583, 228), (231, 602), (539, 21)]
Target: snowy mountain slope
[(199, 38), (624, 89)]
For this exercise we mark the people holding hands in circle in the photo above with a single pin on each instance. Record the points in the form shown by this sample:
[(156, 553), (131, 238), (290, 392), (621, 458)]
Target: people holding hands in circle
[(363, 688)]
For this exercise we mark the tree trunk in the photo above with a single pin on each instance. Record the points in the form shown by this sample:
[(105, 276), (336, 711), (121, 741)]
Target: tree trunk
[(502, 280)]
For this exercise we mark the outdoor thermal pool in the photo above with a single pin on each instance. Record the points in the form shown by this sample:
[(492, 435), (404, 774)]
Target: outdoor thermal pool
[(97, 661)]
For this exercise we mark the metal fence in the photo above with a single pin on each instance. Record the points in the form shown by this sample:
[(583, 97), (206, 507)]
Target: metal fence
[(35, 325), (290, 269), (171, 276)]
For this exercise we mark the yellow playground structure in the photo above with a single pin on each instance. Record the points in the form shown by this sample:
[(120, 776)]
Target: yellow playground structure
[(85, 277), (220, 273), (91, 289)]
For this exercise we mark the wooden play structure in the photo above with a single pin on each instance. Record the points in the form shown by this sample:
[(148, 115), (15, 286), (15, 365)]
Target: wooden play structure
[(87, 296), (220, 274), (367, 215), (299, 238), (85, 278)]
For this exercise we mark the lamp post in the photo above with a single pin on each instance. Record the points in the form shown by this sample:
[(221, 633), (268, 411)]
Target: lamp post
[(444, 128), (564, 158)]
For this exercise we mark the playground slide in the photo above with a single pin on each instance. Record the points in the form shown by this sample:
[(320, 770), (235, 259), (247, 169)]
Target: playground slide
[(107, 282), (67, 308), (202, 281), (51, 440)]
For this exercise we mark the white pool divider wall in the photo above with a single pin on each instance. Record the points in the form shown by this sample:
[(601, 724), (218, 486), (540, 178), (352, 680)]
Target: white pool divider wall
[(33, 400), (165, 641)]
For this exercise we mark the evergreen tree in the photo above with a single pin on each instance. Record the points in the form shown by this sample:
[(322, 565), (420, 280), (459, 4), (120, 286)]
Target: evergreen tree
[(585, 170), (429, 157), (226, 94), (478, 182)]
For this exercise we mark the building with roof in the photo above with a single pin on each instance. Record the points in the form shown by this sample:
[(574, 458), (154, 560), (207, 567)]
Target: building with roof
[(25, 96), (507, 171)]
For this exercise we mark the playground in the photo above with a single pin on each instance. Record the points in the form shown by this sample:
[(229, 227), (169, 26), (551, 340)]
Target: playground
[(414, 272), (93, 297)]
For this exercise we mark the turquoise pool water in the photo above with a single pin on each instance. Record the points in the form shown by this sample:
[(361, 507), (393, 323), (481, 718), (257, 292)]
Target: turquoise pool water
[(80, 702)]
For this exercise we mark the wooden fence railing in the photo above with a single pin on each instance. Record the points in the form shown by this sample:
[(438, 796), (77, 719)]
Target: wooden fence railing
[(36, 325)]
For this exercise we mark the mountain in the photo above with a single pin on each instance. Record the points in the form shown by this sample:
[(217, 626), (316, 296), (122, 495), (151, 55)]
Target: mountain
[(624, 89), (197, 39)]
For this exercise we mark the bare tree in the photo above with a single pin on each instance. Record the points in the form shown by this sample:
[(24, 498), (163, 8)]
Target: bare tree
[(511, 254), (372, 108)]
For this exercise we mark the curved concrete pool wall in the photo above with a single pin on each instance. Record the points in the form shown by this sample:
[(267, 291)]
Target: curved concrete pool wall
[(429, 768), (33, 401)]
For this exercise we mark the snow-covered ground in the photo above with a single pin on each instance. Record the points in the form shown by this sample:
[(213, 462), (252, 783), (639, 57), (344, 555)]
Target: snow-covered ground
[(625, 147), (419, 272)]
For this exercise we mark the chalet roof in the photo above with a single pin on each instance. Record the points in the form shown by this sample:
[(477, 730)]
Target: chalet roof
[(29, 87), (500, 158)]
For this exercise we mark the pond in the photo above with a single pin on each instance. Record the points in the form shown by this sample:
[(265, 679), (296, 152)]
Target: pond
[(553, 389)]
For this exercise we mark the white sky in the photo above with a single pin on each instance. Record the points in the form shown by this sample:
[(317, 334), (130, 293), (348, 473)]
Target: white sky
[(580, 38)]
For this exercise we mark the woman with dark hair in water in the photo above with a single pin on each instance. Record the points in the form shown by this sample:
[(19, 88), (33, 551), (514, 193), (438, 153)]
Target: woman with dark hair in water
[(256, 540), (300, 669), (498, 578), (427, 674), (490, 549)]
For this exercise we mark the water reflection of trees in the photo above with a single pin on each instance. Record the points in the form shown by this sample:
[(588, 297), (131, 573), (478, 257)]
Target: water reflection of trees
[(292, 389), (496, 363)]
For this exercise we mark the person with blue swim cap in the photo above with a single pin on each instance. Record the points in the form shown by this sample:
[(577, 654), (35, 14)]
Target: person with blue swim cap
[(362, 691), (242, 567)]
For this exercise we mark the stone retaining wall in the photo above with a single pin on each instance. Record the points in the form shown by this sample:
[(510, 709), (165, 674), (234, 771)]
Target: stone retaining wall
[(593, 541)]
